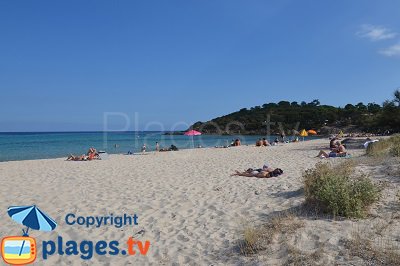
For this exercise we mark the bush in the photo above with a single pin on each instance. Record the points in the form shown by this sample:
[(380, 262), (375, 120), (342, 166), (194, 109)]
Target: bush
[(378, 148), (333, 190), (395, 148), (390, 146)]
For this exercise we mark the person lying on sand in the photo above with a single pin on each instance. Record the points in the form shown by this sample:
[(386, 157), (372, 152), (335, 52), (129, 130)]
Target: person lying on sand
[(91, 150), (91, 155), (83, 157), (265, 142), (265, 172), (237, 142), (259, 143), (172, 148), (339, 151)]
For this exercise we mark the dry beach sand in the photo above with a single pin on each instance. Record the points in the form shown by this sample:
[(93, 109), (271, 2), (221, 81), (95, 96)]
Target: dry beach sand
[(189, 207)]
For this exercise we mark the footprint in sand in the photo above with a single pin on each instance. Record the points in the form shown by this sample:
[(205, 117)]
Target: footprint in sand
[(182, 238)]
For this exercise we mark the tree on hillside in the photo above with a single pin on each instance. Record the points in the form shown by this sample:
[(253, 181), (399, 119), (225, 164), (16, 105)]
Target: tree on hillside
[(374, 108), (397, 97), (361, 107), (314, 103), (284, 104)]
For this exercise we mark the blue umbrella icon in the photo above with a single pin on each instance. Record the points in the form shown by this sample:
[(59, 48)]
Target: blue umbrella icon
[(32, 218)]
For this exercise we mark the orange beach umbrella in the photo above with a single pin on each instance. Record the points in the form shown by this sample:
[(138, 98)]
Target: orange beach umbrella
[(312, 132)]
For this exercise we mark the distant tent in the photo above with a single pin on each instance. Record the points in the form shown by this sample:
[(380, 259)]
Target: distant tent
[(340, 135)]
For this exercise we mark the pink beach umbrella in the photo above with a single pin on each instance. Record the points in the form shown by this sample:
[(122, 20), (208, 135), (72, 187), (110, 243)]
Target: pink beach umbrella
[(192, 133)]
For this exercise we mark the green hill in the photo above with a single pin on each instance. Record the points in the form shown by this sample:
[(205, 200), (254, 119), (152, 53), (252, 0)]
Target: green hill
[(285, 116)]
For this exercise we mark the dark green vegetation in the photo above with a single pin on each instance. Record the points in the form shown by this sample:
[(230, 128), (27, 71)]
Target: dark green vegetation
[(286, 116), (335, 190)]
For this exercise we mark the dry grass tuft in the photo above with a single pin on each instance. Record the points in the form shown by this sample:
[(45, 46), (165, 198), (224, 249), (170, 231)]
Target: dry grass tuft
[(386, 252), (259, 238), (297, 257), (252, 241)]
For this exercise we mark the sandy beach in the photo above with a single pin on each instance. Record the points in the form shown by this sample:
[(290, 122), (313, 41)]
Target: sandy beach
[(188, 206)]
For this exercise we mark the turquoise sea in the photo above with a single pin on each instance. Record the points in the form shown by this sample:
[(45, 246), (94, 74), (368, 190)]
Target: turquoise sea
[(43, 145)]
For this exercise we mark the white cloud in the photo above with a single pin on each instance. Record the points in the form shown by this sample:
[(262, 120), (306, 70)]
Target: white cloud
[(376, 33), (393, 50)]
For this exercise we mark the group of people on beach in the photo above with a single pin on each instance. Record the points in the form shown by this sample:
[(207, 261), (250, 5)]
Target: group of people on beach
[(92, 154), (157, 148), (262, 142)]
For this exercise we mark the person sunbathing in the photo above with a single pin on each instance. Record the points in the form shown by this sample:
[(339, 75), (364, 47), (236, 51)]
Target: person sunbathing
[(91, 150), (339, 151), (259, 143), (252, 173), (237, 142), (92, 154), (265, 172), (265, 142), (333, 144), (83, 157), (172, 148)]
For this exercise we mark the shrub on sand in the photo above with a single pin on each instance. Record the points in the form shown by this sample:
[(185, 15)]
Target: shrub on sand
[(389, 146), (333, 189), (378, 148), (395, 148)]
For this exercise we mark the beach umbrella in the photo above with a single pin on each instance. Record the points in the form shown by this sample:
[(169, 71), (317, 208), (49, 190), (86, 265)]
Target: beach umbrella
[(303, 133), (192, 133), (32, 217), (312, 132)]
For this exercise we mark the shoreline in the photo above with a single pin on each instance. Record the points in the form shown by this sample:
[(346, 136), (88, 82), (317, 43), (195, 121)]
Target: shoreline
[(151, 151)]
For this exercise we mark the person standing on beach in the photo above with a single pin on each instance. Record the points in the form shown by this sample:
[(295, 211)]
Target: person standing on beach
[(144, 148), (157, 146)]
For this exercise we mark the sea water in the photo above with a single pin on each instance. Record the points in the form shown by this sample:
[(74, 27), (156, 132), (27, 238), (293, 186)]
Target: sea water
[(43, 145)]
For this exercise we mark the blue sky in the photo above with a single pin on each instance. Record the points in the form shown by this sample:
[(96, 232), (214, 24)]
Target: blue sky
[(64, 64)]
